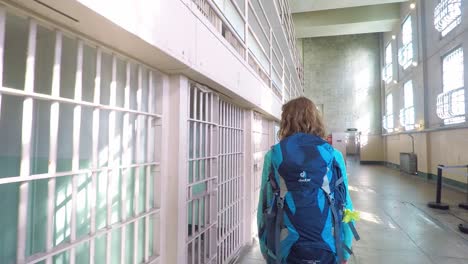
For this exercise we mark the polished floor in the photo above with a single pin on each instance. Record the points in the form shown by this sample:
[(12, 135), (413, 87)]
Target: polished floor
[(396, 225)]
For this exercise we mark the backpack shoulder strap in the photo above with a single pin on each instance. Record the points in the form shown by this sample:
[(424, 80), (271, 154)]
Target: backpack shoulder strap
[(279, 199)]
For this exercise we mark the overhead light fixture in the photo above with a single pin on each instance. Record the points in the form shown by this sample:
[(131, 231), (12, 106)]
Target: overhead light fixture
[(395, 81), (393, 37), (412, 6), (415, 63)]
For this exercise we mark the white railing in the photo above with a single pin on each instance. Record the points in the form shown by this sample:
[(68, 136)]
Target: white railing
[(284, 11), (247, 28)]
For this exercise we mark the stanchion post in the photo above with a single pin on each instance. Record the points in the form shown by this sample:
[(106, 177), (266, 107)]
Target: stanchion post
[(465, 204), (439, 185), (438, 203), (463, 228)]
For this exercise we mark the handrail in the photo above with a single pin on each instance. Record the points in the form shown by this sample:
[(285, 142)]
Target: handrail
[(264, 13), (259, 43), (238, 10), (267, 35), (262, 48), (218, 12)]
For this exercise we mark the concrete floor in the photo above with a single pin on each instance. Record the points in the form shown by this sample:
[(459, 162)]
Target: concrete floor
[(396, 224)]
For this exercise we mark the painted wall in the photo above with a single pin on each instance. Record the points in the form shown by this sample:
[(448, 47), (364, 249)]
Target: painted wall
[(343, 74), (434, 143)]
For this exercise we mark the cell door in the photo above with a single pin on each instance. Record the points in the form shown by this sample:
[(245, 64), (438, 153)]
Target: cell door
[(231, 180), (215, 178), (201, 189)]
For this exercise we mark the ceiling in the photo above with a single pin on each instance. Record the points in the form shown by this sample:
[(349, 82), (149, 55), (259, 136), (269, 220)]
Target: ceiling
[(319, 18)]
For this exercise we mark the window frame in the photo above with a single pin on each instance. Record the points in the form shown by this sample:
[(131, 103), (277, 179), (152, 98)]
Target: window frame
[(388, 66), (407, 113), (406, 49), (453, 24), (445, 98), (388, 120)]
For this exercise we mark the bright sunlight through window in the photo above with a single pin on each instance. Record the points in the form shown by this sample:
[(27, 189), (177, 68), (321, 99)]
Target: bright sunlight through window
[(405, 54), (388, 69), (407, 113), (388, 118), (447, 16)]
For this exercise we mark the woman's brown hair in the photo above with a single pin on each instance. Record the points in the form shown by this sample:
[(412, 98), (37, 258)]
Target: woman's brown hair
[(300, 115)]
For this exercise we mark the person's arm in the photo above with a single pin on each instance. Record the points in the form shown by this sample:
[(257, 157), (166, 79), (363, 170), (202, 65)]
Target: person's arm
[(262, 200), (347, 233)]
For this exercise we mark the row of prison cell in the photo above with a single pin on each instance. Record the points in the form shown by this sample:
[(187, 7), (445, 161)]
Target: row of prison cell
[(216, 176), (81, 133)]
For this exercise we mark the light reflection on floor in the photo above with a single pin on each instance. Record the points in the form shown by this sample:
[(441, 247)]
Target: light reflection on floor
[(396, 225)]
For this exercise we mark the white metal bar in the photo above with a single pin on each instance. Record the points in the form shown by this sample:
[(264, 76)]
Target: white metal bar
[(257, 40), (258, 20), (194, 136), (239, 11), (126, 160), (194, 233), (278, 45), (76, 145), (206, 223), (264, 13), (213, 185), (2, 50), (224, 20), (199, 228), (111, 172), (271, 58), (95, 154), (138, 159), (246, 29), (54, 125), (162, 105), (26, 133), (45, 97), (203, 176), (101, 232), (148, 168)]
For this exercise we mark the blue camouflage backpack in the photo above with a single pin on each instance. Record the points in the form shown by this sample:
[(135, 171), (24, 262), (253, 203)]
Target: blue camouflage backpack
[(303, 203)]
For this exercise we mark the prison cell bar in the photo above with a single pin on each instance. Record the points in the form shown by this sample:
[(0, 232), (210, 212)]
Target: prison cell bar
[(29, 95), (95, 153), (26, 144), (54, 126)]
